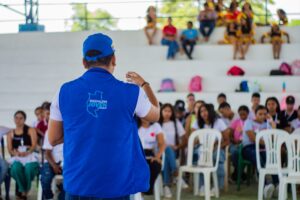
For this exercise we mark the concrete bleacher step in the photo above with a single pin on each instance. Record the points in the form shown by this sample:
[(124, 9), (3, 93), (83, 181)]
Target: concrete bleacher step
[(121, 38)]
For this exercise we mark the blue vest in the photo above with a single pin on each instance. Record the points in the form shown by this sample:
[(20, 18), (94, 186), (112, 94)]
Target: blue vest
[(103, 156)]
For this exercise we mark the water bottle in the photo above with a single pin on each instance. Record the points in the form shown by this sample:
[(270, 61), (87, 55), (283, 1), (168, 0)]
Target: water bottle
[(284, 87)]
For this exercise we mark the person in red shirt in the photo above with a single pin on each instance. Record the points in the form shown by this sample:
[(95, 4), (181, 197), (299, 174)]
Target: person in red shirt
[(42, 126), (169, 39)]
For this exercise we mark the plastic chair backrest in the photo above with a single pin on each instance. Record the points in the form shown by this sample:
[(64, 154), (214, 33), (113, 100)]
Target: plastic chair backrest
[(296, 131), (209, 140), (270, 139), (292, 143)]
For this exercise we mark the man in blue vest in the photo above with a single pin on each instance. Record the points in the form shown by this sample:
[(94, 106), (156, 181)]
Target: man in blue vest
[(94, 117)]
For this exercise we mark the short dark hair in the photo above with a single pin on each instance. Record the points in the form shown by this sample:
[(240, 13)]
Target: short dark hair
[(244, 108), (224, 105), (260, 107), (46, 106), (222, 95), (21, 112), (100, 61), (190, 22), (190, 95), (299, 108), (256, 94), (205, 4), (38, 108)]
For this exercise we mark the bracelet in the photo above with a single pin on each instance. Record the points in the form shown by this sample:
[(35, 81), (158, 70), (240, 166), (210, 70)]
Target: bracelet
[(145, 83)]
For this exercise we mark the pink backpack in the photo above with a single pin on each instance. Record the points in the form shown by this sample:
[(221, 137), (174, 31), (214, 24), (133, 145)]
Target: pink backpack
[(195, 84), (285, 68), (167, 85), (296, 67)]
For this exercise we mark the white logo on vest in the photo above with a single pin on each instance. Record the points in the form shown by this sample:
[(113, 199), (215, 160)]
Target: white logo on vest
[(95, 103)]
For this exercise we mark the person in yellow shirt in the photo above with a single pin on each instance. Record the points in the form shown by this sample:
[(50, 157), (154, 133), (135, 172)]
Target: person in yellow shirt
[(150, 29), (276, 35), (245, 36)]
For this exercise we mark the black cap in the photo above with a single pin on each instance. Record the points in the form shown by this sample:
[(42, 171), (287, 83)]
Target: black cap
[(290, 100), (179, 105)]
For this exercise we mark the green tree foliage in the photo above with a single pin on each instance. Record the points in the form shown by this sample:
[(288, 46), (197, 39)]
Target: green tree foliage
[(184, 10), (97, 20)]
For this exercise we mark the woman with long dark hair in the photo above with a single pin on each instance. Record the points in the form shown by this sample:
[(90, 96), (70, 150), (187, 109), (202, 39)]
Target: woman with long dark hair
[(153, 143), (21, 142), (208, 118), (274, 114), (174, 136)]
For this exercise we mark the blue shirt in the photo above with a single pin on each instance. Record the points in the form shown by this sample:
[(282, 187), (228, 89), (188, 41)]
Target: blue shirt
[(103, 157), (190, 34), (254, 126)]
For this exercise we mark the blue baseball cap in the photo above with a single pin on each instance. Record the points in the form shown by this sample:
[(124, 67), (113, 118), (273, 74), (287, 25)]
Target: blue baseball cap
[(99, 42)]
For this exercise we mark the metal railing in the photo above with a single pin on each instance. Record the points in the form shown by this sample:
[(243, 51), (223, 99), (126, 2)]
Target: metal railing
[(140, 20)]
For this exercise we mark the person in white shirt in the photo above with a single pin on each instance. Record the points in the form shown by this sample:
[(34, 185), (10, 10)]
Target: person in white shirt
[(208, 118), (175, 140), (295, 124), (228, 115), (153, 143), (51, 167), (255, 100)]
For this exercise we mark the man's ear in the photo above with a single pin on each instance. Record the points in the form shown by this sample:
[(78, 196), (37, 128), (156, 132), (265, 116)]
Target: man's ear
[(113, 61), (85, 64)]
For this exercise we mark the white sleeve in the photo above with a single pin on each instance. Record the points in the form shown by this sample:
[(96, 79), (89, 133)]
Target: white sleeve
[(55, 113), (221, 126), (180, 129), (195, 125), (47, 145), (143, 105), (157, 128)]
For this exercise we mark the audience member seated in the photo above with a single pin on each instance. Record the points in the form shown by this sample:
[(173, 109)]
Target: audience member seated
[(276, 35), (42, 126), (175, 140), (153, 143), (245, 37), (150, 29), (21, 143), (289, 113), (169, 39), (220, 9), (233, 13), (192, 118), (251, 128), (255, 100), (274, 115), (237, 127), (221, 98), (283, 20), (296, 122), (189, 38), (247, 13), (207, 19), (208, 118), (227, 114), (52, 166), (179, 108), (39, 116)]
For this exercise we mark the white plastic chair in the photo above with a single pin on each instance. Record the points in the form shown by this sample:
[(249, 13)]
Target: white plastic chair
[(270, 139), (296, 131), (207, 140), (226, 168), (292, 173)]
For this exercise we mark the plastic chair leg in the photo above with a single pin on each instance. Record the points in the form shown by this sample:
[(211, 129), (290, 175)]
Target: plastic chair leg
[(261, 186), (179, 183), (157, 189), (281, 195), (294, 192), (207, 185), (216, 185), (196, 183)]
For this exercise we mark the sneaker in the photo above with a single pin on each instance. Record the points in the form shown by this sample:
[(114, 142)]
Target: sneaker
[(184, 185), (167, 192), (202, 192), (276, 192), (268, 191)]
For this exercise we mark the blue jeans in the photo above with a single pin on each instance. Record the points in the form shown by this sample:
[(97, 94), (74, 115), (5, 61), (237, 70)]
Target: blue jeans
[(3, 169), (173, 47), (220, 170), (249, 153), (169, 165), (233, 150), (207, 24), (75, 197), (47, 175)]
